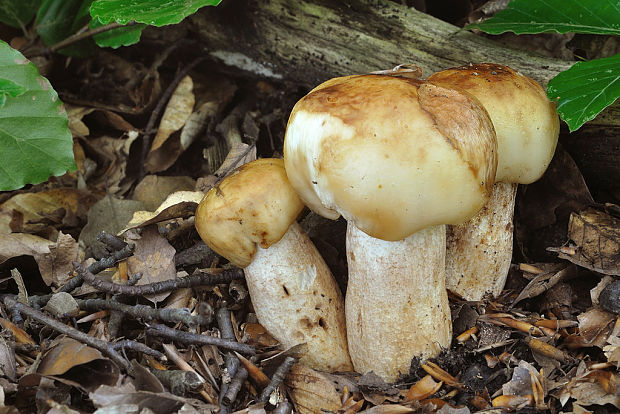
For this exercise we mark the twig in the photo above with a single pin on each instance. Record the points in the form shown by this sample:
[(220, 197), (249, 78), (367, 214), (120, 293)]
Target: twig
[(99, 266), (177, 381), (110, 240), (84, 35), (138, 347), (199, 253), (201, 279), (146, 312), (163, 100), (192, 338), (235, 386), (277, 379), (116, 318), (226, 330), (104, 347)]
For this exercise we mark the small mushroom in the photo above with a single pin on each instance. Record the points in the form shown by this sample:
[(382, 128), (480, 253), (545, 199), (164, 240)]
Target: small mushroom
[(249, 218), (398, 158), (527, 128)]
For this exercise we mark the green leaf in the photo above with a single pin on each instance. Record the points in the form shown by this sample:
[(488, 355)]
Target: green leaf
[(59, 19), (34, 132), (538, 16), (8, 87), (18, 13), (585, 89), (152, 12), (123, 36)]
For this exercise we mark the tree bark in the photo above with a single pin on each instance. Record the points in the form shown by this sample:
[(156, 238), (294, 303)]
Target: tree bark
[(310, 41)]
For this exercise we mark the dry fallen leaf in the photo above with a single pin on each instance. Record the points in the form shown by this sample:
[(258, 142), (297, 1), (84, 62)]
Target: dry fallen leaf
[(597, 236), (423, 389), (154, 258), (313, 391), (181, 204), (153, 189), (57, 270), (166, 147), (595, 326)]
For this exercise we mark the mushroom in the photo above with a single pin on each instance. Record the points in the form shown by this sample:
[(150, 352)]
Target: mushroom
[(527, 128), (249, 219), (398, 158)]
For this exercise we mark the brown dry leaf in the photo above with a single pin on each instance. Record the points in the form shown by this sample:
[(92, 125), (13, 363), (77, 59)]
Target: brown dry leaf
[(181, 204), (423, 389), (513, 402), (110, 214), (521, 382), (589, 389), (8, 365), (153, 189), (255, 334), (595, 326), (23, 244), (238, 155), (164, 151), (80, 365), (154, 258), (21, 337), (111, 155), (75, 115), (597, 236), (64, 354), (125, 398), (543, 282), (313, 391), (33, 212), (58, 269)]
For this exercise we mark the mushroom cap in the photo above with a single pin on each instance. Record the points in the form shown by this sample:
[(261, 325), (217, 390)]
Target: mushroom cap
[(392, 154), (254, 205), (525, 121)]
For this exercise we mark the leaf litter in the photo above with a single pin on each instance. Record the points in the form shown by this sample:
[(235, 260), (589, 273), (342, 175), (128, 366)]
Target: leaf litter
[(549, 343)]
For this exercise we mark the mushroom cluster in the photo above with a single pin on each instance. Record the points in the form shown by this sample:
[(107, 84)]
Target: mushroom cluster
[(398, 158)]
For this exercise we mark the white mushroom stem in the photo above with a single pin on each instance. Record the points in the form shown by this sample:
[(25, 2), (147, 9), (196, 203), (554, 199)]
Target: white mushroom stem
[(297, 300), (479, 251), (396, 302)]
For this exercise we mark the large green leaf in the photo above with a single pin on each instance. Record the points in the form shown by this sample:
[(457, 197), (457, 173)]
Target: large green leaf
[(153, 12), (123, 36), (586, 89), (18, 13), (9, 88), (34, 133), (59, 19), (538, 16)]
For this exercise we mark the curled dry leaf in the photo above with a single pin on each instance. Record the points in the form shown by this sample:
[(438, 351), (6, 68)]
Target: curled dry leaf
[(595, 326), (181, 204), (423, 389), (165, 149), (33, 212), (57, 270), (597, 236), (21, 337), (313, 391)]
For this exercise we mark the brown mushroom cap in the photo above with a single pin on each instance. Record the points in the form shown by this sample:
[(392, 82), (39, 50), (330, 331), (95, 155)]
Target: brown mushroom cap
[(392, 154), (525, 121), (254, 205)]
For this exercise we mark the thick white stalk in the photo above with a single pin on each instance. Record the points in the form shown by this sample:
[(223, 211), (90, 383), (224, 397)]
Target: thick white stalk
[(479, 251), (297, 300), (396, 302)]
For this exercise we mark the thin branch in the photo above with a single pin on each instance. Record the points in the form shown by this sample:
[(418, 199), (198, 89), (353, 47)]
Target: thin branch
[(201, 279), (146, 313), (84, 35), (104, 347), (277, 378), (191, 338)]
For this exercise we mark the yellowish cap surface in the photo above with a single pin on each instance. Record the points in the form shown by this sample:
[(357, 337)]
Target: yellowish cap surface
[(392, 154), (254, 205), (525, 121)]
